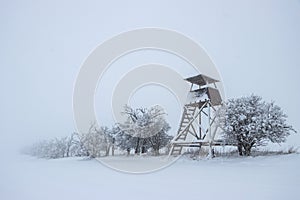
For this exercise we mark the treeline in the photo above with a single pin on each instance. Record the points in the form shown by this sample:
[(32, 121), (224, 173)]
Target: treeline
[(144, 131)]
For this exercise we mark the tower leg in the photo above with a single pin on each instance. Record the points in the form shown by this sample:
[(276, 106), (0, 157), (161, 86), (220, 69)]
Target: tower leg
[(210, 139), (210, 151)]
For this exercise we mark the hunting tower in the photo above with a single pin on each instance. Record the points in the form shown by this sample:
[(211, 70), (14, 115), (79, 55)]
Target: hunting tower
[(197, 127)]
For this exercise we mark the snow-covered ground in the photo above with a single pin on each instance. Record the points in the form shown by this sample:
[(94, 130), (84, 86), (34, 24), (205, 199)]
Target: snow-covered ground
[(268, 177)]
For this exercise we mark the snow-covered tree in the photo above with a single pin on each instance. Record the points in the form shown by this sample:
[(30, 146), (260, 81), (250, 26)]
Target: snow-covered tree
[(79, 147), (92, 143), (143, 129), (123, 140), (161, 139), (54, 148), (96, 140), (143, 122), (250, 121)]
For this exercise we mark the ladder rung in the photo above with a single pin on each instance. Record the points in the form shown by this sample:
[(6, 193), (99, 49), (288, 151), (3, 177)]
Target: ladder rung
[(176, 150)]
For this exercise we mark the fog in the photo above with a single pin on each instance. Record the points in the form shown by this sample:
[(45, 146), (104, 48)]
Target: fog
[(254, 44)]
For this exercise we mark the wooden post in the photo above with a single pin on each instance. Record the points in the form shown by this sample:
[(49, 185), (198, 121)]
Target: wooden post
[(209, 132), (208, 113), (200, 134)]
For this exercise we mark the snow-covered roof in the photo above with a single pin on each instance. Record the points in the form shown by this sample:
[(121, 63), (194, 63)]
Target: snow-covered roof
[(201, 80)]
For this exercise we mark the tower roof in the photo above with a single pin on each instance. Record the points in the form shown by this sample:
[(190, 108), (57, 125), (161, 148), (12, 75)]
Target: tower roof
[(201, 80)]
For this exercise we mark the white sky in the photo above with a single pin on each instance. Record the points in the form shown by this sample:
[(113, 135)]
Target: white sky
[(254, 44)]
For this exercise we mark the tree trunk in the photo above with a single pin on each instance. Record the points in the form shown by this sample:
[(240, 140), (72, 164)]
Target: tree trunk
[(143, 149), (107, 151), (113, 147), (144, 146), (247, 149), (240, 149), (137, 147)]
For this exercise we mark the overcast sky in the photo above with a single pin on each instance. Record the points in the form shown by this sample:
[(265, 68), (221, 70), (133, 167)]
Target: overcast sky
[(254, 44)]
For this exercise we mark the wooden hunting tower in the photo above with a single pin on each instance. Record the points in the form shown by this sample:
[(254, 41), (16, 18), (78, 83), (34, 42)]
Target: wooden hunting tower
[(197, 127)]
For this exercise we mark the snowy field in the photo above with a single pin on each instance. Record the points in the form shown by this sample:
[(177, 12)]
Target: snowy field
[(268, 177)]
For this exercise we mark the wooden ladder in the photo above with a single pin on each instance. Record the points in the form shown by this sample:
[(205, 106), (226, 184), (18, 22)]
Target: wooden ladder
[(187, 115)]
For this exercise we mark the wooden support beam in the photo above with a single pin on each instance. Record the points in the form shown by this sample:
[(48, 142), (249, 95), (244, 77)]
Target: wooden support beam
[(187, 126)]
